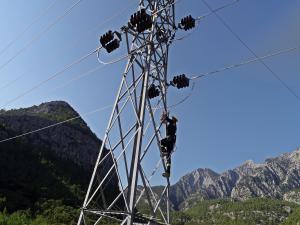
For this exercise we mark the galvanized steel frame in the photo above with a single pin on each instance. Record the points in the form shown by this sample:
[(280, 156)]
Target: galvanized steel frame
[(147, 64)]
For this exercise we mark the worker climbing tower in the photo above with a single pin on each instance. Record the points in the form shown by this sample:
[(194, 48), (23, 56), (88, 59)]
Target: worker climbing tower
[(120, 188)]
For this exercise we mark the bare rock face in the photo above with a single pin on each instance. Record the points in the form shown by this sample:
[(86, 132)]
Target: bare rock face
[(66, 153), (292, 196), (72, 140), (273, 178)]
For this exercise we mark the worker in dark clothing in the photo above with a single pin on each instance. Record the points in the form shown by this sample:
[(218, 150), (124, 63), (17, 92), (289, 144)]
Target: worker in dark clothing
[(167, 144)]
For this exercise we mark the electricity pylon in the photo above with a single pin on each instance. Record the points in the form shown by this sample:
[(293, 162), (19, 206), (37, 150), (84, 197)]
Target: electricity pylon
[(131, 145)]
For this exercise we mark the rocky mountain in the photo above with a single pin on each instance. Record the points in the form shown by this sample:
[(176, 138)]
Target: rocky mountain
[(273, 178), (46, 173), (52, 164), (72, 140)]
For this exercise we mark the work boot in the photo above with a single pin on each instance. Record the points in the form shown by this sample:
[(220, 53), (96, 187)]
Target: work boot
[(166, 175)]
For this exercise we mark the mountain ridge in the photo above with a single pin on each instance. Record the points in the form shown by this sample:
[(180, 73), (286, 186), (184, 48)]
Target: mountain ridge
[(272, 178), (54, 164)]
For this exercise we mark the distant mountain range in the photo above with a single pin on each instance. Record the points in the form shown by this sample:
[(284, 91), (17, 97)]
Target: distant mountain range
[(274, 178), (54, 166)]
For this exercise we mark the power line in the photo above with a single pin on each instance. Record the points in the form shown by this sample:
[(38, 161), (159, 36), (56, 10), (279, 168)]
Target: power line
[(233, 66), (63, 70), (68, 66), (39, 35), (283, 51), (275, 75), (76, 42), (11, 82), (19, 35), (57, 124), (200, 18), (279, 52), (105, 21), (78, 77), (212, 11)]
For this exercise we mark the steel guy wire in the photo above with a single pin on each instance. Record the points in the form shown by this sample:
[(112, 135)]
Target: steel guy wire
[(275, 75), (39, 35), (22, 32)]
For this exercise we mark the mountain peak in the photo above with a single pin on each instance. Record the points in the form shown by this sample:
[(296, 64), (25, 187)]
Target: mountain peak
[(269, 179), (72, 139), (52, 107), (57, 111)]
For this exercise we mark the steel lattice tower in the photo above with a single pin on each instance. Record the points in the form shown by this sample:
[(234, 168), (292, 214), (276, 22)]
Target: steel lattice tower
[(131, 142)]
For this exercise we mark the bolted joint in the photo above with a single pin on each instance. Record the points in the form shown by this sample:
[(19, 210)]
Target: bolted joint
[(181, 81), (187, 23)]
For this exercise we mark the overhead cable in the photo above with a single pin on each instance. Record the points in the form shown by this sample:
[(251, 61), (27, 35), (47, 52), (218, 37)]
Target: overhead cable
[(77, 41), (233, 66), (200, 18), (11, 82), (19, 35), (78, 77), (39, 35), (275, 75), (212, 11), (103, 22), (62, 71), (279, 52), (57, 124), (51, 77)]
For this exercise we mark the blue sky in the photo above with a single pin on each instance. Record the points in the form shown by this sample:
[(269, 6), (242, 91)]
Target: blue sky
[(231, 117)]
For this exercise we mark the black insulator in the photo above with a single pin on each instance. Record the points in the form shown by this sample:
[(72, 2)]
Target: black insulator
[(148, 22), (134, 19), (153, 91), (175, 80), (181, 81), (188, 22), (139, 16), (111, 46), (143, 12), (140, 21), (106, 38)]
